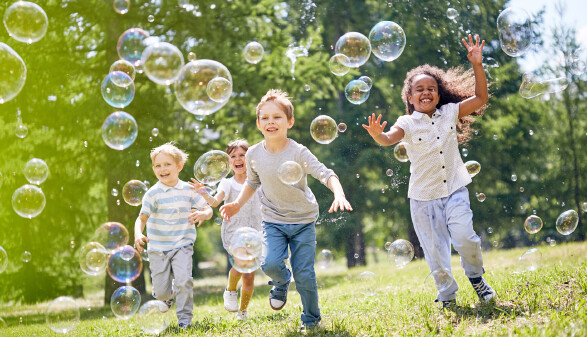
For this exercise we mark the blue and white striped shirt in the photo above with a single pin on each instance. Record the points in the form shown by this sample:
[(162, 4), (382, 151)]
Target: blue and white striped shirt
[(168, 209)]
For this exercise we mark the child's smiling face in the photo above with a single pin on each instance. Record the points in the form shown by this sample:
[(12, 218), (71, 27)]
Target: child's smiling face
[(424, 94), (237, 161), (166, 169)]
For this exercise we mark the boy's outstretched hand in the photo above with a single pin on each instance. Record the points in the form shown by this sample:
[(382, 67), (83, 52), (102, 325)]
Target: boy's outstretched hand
[(139, 242), (475, 54), (197, 216), (340, 203), (228, 210), (375, 128)]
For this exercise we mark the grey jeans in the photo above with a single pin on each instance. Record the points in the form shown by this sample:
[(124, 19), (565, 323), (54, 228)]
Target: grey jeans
[(171, 273)]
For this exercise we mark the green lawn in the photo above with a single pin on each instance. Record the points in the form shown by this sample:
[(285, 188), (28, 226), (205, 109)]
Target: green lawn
[(550, 301)]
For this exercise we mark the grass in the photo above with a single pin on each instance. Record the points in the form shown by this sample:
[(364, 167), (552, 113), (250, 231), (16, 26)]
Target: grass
[(550, 301)]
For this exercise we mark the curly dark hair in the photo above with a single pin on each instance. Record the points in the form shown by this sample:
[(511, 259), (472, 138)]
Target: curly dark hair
[(454, 85)]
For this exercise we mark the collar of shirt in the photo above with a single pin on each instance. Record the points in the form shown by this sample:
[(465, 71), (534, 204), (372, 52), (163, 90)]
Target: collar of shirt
[(418, 114), (167, 188)]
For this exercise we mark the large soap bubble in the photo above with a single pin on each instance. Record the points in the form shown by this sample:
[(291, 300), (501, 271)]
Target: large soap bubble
[(533, 224), (290, 172), (356, 91), (119, 130), (125, 302), (124, 66), (154, 317), (367, 283), (3, 260), (36, 171), (530, 260), (13, 72), (131, 45), (162, 62), (324, 129), (442, 278), (388, 40), (211, 167), (533, 87), (121, 6), (62, 314), (253, 52), (133, 192), (246, 249), (118, 89), (337, 64), (28, 201), (367, 80), (125, 264), (25, 21), (400, 152), (401, 252), (219, 89), (515, 31), (111, 235), (355, 46), (93, 258), (325, 259), (473, 167), (567, 222), (191, 86)]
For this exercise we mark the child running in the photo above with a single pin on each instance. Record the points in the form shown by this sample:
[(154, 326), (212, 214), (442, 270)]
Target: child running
[(250, 216), (437, 104), (289, 212)]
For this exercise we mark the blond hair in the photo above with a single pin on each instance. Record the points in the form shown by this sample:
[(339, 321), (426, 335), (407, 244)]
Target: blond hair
[(170, 149), (239, 142), (280, 98)]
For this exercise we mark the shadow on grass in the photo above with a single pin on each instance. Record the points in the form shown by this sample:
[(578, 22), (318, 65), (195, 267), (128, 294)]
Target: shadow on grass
[(487, 311), (41, 318)]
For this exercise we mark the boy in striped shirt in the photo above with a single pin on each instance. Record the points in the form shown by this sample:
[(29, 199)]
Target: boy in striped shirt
[(170, 237)]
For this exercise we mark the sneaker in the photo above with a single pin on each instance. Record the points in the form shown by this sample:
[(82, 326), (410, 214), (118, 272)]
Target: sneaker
[(168, 305), (449, 304), (484, 291), (230, 300), (184, 326), (307, 327), (277, 296), (241, 315)]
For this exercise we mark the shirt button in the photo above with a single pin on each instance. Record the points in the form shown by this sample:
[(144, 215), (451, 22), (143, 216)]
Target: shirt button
[(437, 137), (432, 123), (443, 167), (440, 152), (419, 138), (445, 181)]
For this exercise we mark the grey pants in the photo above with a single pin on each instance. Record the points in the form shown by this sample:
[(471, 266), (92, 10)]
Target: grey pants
[(171, 273)]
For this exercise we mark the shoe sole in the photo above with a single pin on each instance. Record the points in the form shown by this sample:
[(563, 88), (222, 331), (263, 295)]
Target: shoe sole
[(277, 309), (230, 310)]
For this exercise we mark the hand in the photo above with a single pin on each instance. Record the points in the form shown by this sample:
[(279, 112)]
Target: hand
[(196, 216), (340, 203), (375, 128), (139, 241), (229, 210), (198, 186), (475, 54)]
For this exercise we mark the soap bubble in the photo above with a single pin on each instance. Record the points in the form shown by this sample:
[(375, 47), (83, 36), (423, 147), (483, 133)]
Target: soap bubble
[(325, 259), (125, 302), (356, 91), (290, 172), (489, 230), (111, 235), (400, 151), (3, 259), (323, 129), (387, 245), (162, 62), (93, 258), (133, 192), (480, 196), (154, 317), (337, 64), (388, 40), (151, 18), (567, 221), (36, 171), (118, 89), (145, 255), (402, 252), (219, 89), (191, 86), (442, 278), (514, 177), (155, 132), (473, 167), (192, 56), (28, 201), (465, 152), (530, 260), (124, 66), (21, 131), (114, 192), (131, 45), (389, 172), (26, 256), (253, 52), (515, 31), (13, 72), (367, 283), (25, 21), (123, 269), (246, 249), (119, 130), (532, 87), (452, 13), (62, 314), (342, 127), (367, 80), (533, 224), (218, 221), (121, 6), (356, 47), (211, 167)]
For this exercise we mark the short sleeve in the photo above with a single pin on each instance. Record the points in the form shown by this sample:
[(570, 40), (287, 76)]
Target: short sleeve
[(252, 176), (224, 186), (198, 201), (314, 167), (147, 204), (452, 111), (403, 123)]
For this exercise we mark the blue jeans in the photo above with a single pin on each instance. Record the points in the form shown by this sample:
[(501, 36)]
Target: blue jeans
[(301, 239)]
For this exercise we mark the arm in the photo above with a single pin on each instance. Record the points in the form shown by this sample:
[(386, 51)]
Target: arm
[(375, 129), (200, 216), (140, 239), (228, 210), (339, 197), (201, 189), (481, 97)]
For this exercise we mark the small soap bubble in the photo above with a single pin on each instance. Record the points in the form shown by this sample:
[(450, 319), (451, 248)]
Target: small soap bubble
[(356, 92), (124, 66), (191, 56), (552, 242), (531, 132), (151, 18), (367, 80), (342, 127), (111, 235), (123, 269), (131, 45), (389, 172), (337, 64), (118, 89), (36, 171), (218, 221), (530, 260), (495, 137), (567, 222), (465, 152), (473, 167), (323, 129), (387, 245), (452, 13), (93, 258), (388, 40), (489, 230), (400, 152), (442, 279), (26, 256), (25, 22), (480, 197), (72, 244), (307, 87), (521, 189), (356, 255), (118, 202), (325, 259), (133, 192), (401, 252), (119, 130), (356, 47), (147, 183), (219, 90), (162, 62), (125, 302), (85, 143), (13, 73), (358, 176), (533, 224), (514, 177), (515, 31), (28, 201), (145, 255), (290, 172), (138, 163), (211, 167), (253, 52), (21, 131), (367, 283), (121, 6), (62, 314)]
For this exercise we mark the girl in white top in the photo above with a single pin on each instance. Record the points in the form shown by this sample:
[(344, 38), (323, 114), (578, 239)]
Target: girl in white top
[(437, 105), (250, 216)]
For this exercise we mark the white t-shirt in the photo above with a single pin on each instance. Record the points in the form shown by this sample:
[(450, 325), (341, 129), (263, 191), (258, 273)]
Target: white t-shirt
[(436, 167)]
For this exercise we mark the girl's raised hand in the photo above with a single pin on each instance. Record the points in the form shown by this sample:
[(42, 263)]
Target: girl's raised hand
[(375, 128), (475, 54), (197, 186)]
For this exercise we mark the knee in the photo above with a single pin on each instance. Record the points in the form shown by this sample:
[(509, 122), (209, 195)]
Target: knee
[(271, 267), (161, 292)]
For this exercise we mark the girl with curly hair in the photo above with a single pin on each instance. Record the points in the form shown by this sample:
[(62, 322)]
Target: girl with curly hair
[(438, 105)]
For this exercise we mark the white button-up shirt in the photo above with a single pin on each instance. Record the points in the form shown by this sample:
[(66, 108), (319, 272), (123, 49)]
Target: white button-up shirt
[(436, 168)]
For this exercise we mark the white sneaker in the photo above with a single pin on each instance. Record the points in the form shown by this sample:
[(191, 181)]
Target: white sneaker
[(230, 300), (241, 315)]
